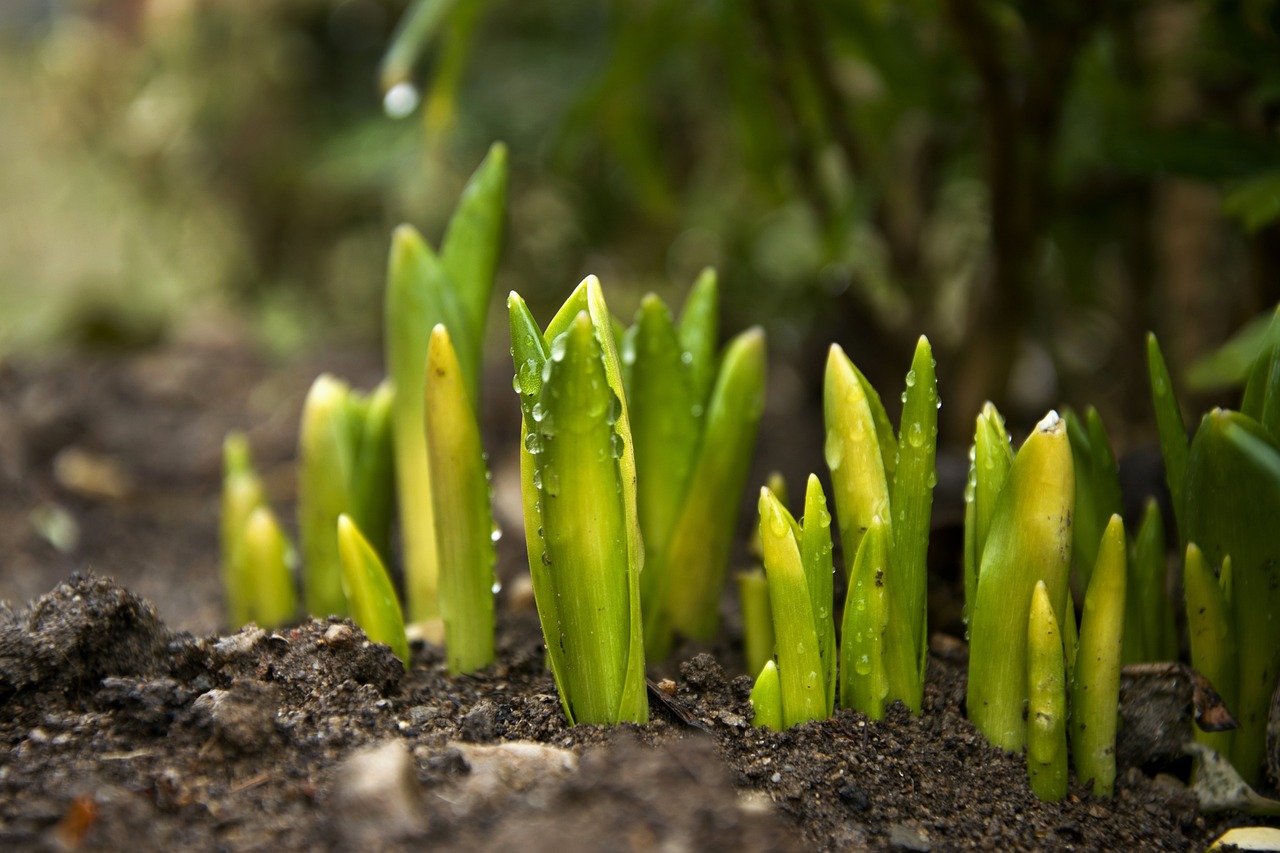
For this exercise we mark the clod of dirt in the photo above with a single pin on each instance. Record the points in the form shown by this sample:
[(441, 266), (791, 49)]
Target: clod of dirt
[(377, 796), (83, 631)]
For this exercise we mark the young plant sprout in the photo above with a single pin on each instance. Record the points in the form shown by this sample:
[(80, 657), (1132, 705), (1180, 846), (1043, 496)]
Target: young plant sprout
[(1029, 541), (794, 566), (868, 633), (1097, 488), (1212, 634), (424, 289), (1149, 632), (374, 605), (877, 475), (694, 423), (344, 466), (757, 618), (1095, 680), (1226, 492), (464, 534), (578, 478), (1046, 700), (256, 579), (766, 698)]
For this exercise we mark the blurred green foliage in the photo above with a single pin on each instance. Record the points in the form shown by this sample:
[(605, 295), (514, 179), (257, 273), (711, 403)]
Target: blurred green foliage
[(1030, 184)]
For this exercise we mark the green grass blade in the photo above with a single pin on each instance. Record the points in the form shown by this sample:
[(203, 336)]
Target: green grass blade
[(1173, 432), (1095, 685), (274, 602), (1212, 638), (766, 698), (911, 500), (799, 662), (374, 605), (242, 493), (465, 520), (757, 619), (699, 333), (815, 556), (864, 676), (469, 253), (666, 431), (1233, 500), (326, 451), (854, 454), (1046, 701), (1030, 541), (1149, 633), (703, 537), (373, 478)]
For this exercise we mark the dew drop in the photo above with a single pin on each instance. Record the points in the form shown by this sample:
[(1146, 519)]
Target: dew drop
[(686, 358), (933, 479), (401, 99), (495, 534), (834, 450), (538, 412), (496, 588), (863, 665), (616, 445), (911, 379), (915, 435), (551, 480)]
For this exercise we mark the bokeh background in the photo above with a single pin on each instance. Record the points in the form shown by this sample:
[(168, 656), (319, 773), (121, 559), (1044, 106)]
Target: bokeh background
[(1032, 184)]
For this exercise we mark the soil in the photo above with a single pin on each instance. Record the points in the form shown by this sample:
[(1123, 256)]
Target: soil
[(128, 726)]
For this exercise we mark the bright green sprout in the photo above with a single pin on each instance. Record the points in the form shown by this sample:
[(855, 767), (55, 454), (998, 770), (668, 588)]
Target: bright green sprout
[(766, 698), (1029, 541), (1212, 635), (1097, 488), (578, 476), (344, 466), (1095, 683), (757, 618), (1226, 492), (423, 290), (865, 635), (265, 555), (1046, 700), (877, 475), (991, 454), (801, 670), (465, 521), (374, 605), (694, 419), (1149, 631), (256, 556)]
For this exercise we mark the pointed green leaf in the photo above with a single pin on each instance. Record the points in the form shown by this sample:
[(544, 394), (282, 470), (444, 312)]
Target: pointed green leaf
[(766, 698), (273, 601), (1233, 499), (1173, 433), (242, 493), (1030, 541), (799, 662), (864, 676), (699, 553), (465, 520), (1149, 633), (1095, 685), (911, 500), (470, 249), (374, 605), (815, 556), (326, 451), (757, 619), (1212, 638), (854, 454), (373, 475), (699, 334), (990, 460), (1046, 701)]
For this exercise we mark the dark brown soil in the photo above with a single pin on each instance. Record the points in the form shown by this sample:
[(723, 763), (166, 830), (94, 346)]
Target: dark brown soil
[(119, 730)]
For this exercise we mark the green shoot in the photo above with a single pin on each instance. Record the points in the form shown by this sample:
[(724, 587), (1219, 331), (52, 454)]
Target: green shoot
[(242, 493), (864, 679), (465, 522), (1212, 636), (1029, 541), (1173, 432), (1233, 498), (1046, 700), (800, 664), (875, 474), (423, 290), (992, 455), (264, 555), (374, 605), (1095, 684), (1097, 488), (695, 427), (578, 482), (766, 698), (343, 467), (1149, 633)]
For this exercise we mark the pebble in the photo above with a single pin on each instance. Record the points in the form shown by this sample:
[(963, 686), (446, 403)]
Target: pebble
[(376, 796)]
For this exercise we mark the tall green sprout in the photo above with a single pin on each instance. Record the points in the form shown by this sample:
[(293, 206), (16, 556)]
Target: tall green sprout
[(578, 478), (344, 466), (465, 520), (1226, 490), (425, 289), (876, 474), (694, 416), (1029, 541), (256, 555)]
